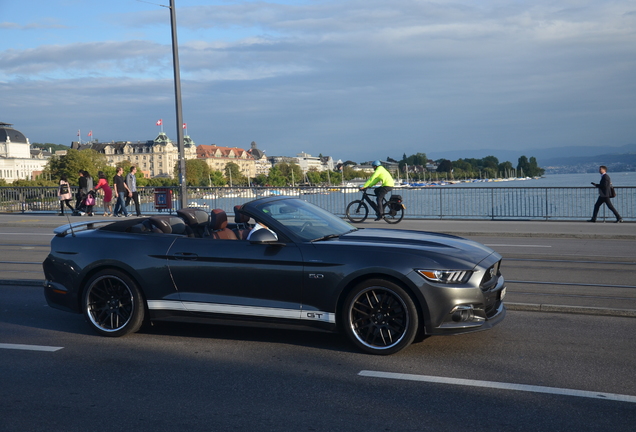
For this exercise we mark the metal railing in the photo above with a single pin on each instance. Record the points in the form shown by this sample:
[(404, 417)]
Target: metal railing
[(441, 202)]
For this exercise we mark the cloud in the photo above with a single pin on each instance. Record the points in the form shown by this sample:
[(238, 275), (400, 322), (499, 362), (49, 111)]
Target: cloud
[(47, 24), (102, 58), (342, 75)]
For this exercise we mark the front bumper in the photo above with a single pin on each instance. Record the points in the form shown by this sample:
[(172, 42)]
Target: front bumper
[(466, 309)]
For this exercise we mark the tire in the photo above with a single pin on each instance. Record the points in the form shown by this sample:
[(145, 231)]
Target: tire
[(112, 304), (393, 219), (357, 211), (379, 317)]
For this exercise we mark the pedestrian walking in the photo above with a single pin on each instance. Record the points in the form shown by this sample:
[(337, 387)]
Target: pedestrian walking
[(106, 190), (131, 182), (121, 192), (604, 194), (89, 199), (64, 193)]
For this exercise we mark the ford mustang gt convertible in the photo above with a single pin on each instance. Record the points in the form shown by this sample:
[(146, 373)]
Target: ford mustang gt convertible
[(282, 261)]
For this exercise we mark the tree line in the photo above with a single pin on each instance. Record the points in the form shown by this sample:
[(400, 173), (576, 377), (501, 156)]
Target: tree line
[(469, 168), (198, 172)]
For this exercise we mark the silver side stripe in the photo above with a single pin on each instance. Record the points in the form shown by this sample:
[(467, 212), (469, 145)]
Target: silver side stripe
[(296, 314)]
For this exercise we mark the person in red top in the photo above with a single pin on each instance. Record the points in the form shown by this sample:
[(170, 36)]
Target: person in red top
[(108, 192)]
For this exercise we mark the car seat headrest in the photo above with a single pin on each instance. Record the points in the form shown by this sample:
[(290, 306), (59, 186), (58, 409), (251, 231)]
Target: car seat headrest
[(218, 219), (194, 216), (239, 216)]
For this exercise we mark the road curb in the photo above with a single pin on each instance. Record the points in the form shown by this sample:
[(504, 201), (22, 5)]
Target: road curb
[(581, 310)]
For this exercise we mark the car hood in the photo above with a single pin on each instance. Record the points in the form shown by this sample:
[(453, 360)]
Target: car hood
[(422, 242)]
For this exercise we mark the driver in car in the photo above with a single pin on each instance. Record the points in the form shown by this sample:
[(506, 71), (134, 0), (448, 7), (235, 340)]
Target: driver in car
[(258, 226)]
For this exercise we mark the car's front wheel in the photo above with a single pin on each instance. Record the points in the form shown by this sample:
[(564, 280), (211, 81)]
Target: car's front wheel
[(113, 304), (379, 317)]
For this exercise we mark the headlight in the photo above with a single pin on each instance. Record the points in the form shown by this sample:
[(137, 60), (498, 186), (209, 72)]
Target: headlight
[(446, 276)]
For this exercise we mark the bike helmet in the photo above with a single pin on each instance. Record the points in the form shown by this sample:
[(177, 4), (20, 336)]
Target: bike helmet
[(376, 163)]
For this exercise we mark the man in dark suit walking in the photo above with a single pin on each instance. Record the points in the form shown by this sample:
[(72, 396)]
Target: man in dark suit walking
[(604, 195)]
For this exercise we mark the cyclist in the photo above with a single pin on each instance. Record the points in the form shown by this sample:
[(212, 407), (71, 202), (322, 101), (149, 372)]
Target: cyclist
[(379, 175)]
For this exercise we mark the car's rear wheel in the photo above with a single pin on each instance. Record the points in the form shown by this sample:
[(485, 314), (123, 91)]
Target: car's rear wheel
[(113, 304), (357, 211), (380, 317)]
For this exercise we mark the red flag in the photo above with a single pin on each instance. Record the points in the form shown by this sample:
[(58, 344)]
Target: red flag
[(90, 133), (159, 122), (78, 132), (185, 125)]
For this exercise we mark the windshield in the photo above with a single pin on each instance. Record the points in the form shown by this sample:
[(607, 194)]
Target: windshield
[(305, 220)]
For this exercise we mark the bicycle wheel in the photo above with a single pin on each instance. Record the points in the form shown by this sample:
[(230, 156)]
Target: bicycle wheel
[(357, 211), (393, 217)]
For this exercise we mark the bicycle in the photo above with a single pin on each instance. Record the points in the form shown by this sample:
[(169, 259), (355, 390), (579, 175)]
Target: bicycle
[(393, 209)]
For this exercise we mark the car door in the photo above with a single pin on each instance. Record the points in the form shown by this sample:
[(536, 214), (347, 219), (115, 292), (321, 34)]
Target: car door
[(235, 278)]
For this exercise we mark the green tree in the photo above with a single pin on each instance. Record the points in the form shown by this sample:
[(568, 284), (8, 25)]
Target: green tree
[(445, 166), (233, 175), (260, 180), (75, 160), (490, 162), (276, 177), (331, 177), (162, 182), (505, 168), (291, 171), (523, 165), (217, 178), (418, 159), (197, 172), (533, 168), (349, 173), (314, 177)]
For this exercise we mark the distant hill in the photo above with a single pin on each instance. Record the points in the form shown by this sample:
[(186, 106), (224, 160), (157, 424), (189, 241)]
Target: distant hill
[(51, 146), (572, 155)]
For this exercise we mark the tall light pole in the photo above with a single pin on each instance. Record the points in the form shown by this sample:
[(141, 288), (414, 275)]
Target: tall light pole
[(177, 97)]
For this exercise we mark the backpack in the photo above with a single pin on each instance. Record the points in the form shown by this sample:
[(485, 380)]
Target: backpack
[(64, 189)]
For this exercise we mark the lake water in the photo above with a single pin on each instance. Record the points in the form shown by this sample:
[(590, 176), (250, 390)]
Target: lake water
[(559, 180)]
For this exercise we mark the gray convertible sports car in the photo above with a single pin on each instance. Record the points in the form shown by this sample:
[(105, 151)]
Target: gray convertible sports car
[(301, 265)]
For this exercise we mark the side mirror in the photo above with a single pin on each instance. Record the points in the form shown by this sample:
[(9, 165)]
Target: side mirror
[(263, 236)]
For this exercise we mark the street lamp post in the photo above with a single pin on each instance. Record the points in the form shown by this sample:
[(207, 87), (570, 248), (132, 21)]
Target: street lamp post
[(177, 95)]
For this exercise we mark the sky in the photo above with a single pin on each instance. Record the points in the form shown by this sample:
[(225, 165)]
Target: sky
[(353, 79)]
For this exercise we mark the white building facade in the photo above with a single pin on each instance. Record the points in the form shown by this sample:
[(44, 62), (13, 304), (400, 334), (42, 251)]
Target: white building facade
[(16, 161)]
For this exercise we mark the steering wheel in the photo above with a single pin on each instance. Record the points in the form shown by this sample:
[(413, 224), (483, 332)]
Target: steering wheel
[(305, 225)]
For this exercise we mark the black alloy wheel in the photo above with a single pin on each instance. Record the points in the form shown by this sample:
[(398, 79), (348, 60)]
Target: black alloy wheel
[(379, 317), (113, 304), (357, 211)]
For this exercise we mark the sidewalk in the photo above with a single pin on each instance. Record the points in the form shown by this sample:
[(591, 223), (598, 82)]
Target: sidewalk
[(465, 228)]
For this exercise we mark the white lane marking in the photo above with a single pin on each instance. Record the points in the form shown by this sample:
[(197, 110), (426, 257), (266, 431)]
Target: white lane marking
[(501, 386), (518, 245), (30, 347)]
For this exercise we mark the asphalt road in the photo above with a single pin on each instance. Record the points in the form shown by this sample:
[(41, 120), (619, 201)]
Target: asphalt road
[(216, 378)]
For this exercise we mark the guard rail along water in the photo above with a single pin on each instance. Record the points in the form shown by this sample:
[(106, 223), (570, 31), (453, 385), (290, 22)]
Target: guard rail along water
[(439, 202)]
